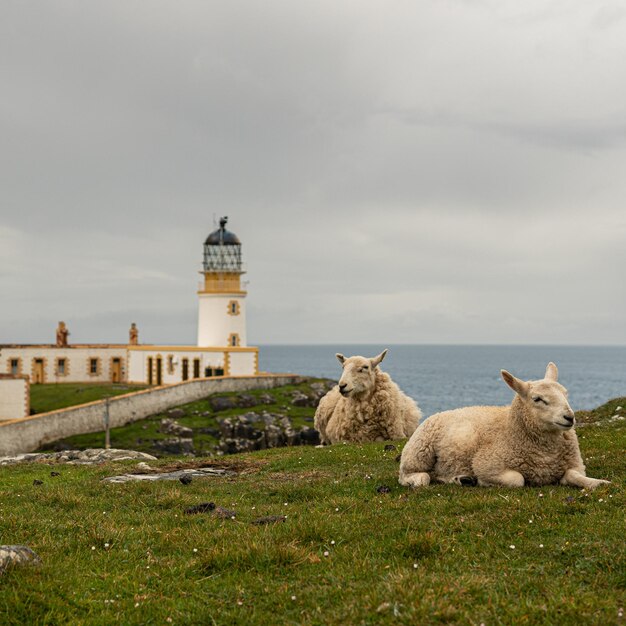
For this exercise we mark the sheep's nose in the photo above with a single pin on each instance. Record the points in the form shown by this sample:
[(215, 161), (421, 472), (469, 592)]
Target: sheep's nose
[(569, 419), (342, 387)]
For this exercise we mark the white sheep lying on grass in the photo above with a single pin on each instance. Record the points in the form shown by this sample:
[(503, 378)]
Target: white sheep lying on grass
[(366, 405), (532, 442)]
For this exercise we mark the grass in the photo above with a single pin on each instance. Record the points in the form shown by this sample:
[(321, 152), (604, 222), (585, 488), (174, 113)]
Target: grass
[(202, 418), (346, 553), (50, 397)]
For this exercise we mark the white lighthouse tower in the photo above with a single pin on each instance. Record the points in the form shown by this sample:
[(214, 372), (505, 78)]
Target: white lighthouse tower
[(221, 305)]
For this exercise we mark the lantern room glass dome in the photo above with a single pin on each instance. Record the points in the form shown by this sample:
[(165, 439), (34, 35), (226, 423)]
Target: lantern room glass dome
[(222, 250)]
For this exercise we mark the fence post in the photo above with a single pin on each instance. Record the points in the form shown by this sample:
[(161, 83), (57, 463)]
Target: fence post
[(107, 433)]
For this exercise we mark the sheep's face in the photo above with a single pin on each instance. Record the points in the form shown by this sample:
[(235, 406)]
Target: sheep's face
[(545, 400), (359, 375)]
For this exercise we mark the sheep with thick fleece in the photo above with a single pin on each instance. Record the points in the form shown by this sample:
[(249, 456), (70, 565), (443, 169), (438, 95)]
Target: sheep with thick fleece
[(366, 405), (530, 442)]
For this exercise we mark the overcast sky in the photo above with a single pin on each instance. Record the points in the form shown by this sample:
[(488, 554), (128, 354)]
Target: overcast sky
[(398, 172)]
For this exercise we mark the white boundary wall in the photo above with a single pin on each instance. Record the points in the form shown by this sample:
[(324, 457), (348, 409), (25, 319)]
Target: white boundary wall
[(14, 397), (30, 433)]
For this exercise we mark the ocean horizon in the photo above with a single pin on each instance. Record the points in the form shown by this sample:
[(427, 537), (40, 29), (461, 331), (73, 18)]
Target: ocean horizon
[(443, 376)]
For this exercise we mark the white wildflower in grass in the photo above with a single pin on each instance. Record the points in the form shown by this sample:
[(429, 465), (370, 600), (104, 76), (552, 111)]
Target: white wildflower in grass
[(326, 552), (293, 597), (136, 604), (106, 545), (93, 547), (337, 509), (414, 565), (600, 499), (530, 521), (512, 547), (195, 549), (332, 543), (285, 504), (541, 545)]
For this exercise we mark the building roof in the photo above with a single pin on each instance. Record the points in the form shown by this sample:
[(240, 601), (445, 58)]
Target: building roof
[(221, 236)]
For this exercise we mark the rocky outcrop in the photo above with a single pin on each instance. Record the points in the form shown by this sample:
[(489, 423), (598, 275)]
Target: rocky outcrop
[(17, 555), (172, 427), (254, 431), (203, 472), (175, 445), (91, 456)]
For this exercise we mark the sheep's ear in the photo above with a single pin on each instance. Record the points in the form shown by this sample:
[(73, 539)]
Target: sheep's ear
[(377, 359), (340, 358), (552, 372), (517, 385)]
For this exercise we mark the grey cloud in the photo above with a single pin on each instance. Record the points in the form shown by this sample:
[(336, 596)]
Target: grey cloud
[(411, 174)]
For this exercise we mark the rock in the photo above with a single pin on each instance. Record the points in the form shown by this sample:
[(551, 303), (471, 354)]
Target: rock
[(234, 446), (90, 456), (389, 447), (300, 399), (383, 489), (17, 555), (245, 400), (270, 519), (265, 398), (203, 507), (274, 436), (175, 414), (144, 467), (171, 427), (224, 513), (318, 387), (223, 403), (37, 482), (214, 432), (175, 445), (185, 479), (203, 472), (309, 436), (54, 474)]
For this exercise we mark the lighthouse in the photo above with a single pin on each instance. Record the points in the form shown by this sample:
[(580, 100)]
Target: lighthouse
[(221, 298)]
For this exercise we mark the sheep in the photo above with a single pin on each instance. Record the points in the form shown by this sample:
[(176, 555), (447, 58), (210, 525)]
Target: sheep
[(366, 405), (531, 442)]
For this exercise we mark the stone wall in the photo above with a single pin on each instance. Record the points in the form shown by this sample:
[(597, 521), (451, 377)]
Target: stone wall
[(30, 433)]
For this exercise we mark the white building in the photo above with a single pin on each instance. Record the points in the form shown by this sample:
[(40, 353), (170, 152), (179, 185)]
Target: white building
[(14, 397), (221, 351)]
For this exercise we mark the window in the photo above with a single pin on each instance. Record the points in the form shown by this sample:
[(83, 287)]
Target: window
[(196, 368), (61, 367), (94, 367), (233, 339), (170, 363), (15, 367), (233, 307)]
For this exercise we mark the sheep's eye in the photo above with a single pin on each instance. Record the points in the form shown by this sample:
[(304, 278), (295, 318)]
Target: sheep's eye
[(364, 368), (539, 399)]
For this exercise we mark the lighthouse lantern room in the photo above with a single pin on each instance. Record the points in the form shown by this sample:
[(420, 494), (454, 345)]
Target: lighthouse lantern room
[(221, 306)]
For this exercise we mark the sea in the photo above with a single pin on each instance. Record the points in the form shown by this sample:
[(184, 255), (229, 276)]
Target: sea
[(441, 377)]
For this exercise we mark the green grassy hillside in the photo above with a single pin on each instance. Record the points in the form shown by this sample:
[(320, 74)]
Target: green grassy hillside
[(202, 417), (50, 397), (354, 548)]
